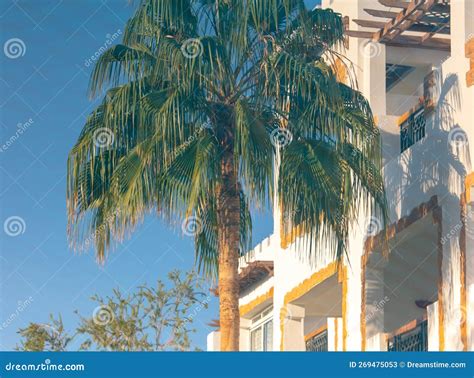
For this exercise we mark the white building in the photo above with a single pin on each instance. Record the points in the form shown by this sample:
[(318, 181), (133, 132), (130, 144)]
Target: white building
[(415, 63)]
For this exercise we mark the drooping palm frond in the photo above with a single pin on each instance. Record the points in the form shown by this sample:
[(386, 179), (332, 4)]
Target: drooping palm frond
[(187, 69)]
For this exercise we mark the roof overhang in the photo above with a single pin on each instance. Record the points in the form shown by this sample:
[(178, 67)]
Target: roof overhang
[(254, 272), (417, 23)]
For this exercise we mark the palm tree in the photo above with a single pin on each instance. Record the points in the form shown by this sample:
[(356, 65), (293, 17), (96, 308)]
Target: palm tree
[(202, 97)]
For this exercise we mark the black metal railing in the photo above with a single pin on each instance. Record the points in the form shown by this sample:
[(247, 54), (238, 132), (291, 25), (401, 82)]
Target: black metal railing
[(412, 129), (318, 343), (414, 340)]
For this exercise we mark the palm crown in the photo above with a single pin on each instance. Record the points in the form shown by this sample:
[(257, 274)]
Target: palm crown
[(200, 93)]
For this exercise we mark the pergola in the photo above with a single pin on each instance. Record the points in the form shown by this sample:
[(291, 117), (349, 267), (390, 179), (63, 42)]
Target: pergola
[(415, 23), (254, 272)]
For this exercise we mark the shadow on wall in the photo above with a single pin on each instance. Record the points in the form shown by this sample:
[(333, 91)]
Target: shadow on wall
[(435, 165)]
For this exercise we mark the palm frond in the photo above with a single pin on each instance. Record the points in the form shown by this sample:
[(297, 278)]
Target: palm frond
[(170, 114)]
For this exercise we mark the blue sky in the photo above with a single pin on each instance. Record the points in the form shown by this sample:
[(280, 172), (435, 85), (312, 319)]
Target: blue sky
[(43, 93)]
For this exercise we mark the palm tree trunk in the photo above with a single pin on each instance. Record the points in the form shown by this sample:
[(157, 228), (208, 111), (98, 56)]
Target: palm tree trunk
[(228, 218)]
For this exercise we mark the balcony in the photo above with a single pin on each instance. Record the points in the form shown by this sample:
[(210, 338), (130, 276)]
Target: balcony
[(414, 338), (318, 343), (412, 129)]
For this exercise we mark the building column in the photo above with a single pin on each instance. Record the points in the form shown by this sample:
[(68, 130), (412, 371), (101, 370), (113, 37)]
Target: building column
[(353, 295), (376, 300), (469, 266), (374, 58), (433, 327), (244, 340), (450, 305), (461, 10), (335, 334), (214, 341), (293, 332), (377, 343)]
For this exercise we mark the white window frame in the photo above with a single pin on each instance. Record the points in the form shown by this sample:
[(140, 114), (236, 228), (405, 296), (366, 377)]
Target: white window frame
[(258, 322)]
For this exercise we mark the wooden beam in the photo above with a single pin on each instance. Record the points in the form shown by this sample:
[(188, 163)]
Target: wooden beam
[(381, 13), (442, 28), (413, 12), (428, 35), (434, 42), (359, 34), (413, 41), (394, 3), (370, 23), (402, 21), (443, 44)]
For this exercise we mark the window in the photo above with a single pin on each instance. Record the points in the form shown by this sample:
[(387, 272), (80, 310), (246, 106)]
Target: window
[(256, 339), (413, 129), (261, 333), (394, 73)]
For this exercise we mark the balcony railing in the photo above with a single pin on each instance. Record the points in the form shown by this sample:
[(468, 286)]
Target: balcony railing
[(318, 343), (412, 129), (413, 340)]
